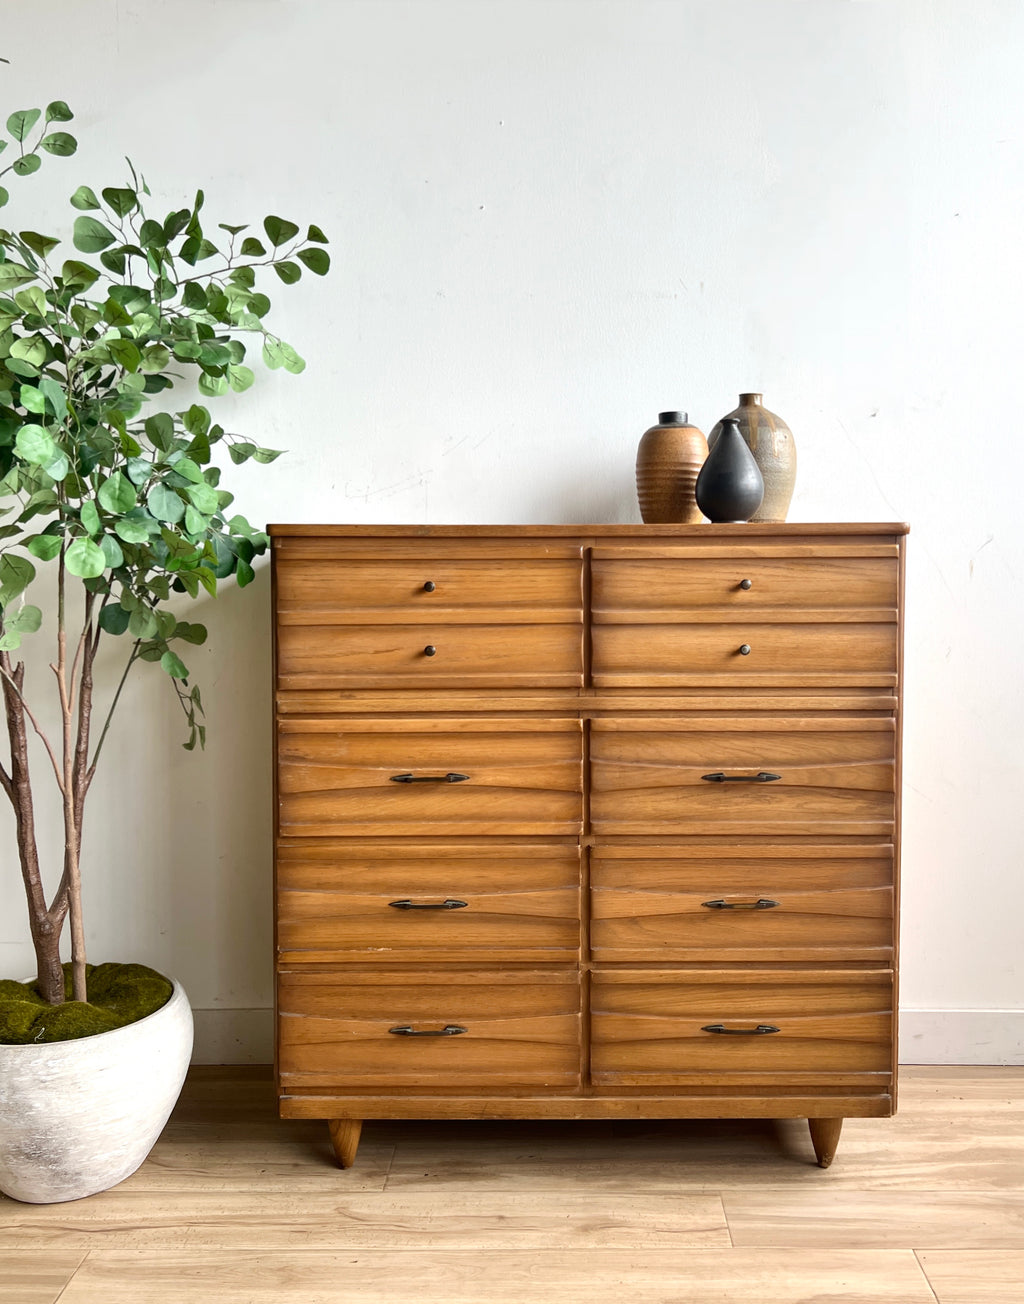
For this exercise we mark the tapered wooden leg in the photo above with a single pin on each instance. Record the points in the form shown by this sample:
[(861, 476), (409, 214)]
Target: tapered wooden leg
[(345, 1139), (825, 1138)]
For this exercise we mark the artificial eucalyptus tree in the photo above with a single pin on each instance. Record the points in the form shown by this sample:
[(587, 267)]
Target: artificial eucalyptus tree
[(109, 485)]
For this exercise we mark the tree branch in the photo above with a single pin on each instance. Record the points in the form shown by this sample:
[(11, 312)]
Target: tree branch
[(8, 678)]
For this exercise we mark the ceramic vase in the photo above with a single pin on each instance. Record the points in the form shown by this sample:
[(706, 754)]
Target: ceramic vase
[(668, 462), (771, 442), (77, 1117), (729, 487)]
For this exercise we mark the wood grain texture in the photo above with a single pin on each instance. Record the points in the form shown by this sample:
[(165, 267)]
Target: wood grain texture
[(393, 656), (636, 655), (851, 1219), (594, 1276), (792, 588), (829, 903), (647, 777), (516, 1030), (519, 904), (26, 1277), (989, 1276), (479, 591), (225, 1209), (523, 777), (649, 1027)]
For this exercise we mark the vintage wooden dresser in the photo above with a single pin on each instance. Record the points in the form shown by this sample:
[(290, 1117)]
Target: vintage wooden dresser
[(587, 822)]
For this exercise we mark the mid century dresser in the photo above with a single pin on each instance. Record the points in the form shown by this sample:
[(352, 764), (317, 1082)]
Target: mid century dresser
[(587, 822)]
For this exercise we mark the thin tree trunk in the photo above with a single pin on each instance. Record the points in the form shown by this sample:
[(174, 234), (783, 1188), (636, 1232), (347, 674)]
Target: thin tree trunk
[(45, 923)]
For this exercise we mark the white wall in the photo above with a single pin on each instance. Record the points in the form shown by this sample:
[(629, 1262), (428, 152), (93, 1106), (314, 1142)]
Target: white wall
[(549, 220)]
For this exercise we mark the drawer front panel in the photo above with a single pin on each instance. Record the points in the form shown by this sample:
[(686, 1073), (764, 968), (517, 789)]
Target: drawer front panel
[(338, 777), (429, 656), (650, 1029), (633, 655), (648, 777), (674, 588), (428, 589), (452, 904), (518, 1030), (779, 905)]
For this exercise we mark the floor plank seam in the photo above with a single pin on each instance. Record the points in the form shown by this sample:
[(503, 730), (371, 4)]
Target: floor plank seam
[(927, 1279), (60, 1295)]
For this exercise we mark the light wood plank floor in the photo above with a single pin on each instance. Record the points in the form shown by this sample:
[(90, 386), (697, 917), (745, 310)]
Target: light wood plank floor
[(236, 1207)]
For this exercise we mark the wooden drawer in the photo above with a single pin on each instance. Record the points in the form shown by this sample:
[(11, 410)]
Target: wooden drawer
[(426, 589), (506, 903), (829, 776), (842, 587), (338, 776), (808, 655), (825, 903), (651, 1028), (428, 656), (517, 1030)]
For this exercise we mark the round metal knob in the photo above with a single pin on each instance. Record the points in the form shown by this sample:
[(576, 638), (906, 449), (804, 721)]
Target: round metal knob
[(430, 650), (746, 584), (745, 650), (430, 586)]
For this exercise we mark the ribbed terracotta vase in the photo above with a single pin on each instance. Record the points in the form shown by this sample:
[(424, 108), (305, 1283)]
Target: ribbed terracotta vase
[(668, 462), (771, 441)]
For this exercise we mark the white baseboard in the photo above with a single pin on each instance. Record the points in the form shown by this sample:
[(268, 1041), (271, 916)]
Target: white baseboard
[(926, 1036), (962, 1036)]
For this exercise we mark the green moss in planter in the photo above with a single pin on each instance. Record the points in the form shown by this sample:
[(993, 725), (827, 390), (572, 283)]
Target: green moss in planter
[(118, 994)]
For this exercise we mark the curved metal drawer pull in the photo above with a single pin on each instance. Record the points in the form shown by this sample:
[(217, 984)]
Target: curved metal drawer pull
[(447, 904), (429, 778), (406, 1030), (761, 1030), (762, 903), (719, 777)]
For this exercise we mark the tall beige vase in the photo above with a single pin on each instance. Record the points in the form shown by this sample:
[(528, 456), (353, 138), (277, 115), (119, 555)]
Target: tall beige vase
[(668, 462), (771, 441)]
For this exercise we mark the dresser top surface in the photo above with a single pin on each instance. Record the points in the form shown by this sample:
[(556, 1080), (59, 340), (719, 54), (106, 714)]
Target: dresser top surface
[(787, 530)]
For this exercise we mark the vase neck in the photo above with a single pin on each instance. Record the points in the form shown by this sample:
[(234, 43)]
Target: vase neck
[(750, 400)]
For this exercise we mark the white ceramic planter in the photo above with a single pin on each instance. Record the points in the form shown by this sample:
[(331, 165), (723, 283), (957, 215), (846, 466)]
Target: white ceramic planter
[(77, 1117)]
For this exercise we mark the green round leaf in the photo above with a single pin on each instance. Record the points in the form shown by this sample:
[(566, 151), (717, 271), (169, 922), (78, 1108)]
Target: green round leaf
[(314, 233), (35, 445), (131, 531), (60, 143), (21, 123), (120, 200), (252, 248), (90, 517), (5, 196), (288, 272), (91, 236), (114, 619), (25, 166), (165, 504), (117, 494), (240, 378), (279, 230), (317, 260), (125, 354), (142, 623), (112, 551), (84, 559), (174, 666), (58, 111), (44, 546), (84, 198)]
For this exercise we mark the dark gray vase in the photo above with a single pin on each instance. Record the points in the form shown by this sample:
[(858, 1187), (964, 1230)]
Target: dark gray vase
[(729, 487)]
